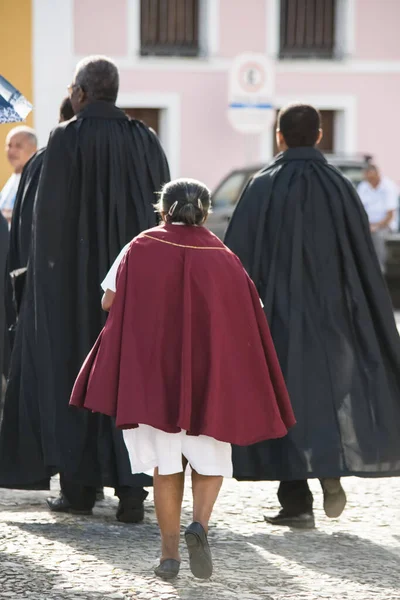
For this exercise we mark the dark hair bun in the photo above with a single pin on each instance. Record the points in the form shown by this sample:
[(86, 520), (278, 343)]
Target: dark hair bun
[(190, 215)]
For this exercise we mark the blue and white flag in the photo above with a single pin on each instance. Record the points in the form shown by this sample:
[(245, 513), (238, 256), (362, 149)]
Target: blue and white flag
[(14, 107)]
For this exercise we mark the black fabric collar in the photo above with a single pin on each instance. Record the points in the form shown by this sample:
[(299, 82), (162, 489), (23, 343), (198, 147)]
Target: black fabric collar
[(303, 153), (101, 110)]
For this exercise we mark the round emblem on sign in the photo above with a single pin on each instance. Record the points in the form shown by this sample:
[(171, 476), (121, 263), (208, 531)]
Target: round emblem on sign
[(250, 93), (251, 77)]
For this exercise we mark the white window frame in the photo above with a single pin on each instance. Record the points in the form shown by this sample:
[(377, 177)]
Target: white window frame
[(170, 120), (345, 28), (52, 71)]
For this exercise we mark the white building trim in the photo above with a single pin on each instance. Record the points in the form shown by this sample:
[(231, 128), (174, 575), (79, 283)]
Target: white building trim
[(351, 27), (202, 65), (193, 65), (53, 61), (341, 67), (211, 26), (170, 120), (345, 133), (346, 28), (133, 26), (273, 16)]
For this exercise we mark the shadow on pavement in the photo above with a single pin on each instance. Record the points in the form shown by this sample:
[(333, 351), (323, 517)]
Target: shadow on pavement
[(339, 555), (239, 570), (22, 576), (240, 565)]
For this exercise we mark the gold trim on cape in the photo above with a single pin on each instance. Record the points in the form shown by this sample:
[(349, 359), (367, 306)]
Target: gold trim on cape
[(182, 245)]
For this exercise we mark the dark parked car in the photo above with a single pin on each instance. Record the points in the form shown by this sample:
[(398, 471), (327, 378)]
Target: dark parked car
[(227, 193)]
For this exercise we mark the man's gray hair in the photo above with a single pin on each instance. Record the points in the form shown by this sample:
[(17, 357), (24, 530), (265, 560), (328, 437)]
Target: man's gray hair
[(98, 77), (28, 131)]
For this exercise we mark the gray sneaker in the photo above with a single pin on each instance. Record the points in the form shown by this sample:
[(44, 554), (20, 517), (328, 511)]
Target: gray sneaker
[(334, 497)]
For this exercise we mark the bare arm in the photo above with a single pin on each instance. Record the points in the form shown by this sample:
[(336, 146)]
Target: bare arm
[(107, 300), (384, 223)]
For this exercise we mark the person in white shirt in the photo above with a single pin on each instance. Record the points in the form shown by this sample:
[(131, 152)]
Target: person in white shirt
[(380, 197), (21, 145)]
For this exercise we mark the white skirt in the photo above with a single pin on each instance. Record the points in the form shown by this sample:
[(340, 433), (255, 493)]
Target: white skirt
[(149, 448)]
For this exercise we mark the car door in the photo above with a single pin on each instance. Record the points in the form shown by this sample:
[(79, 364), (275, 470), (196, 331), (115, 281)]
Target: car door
[(224, 200)]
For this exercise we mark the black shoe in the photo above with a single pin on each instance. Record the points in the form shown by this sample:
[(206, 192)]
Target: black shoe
[(168, 569), (130, 510), (61, 505), (99, 494), (199, 551), (334, 497), (302, 521)]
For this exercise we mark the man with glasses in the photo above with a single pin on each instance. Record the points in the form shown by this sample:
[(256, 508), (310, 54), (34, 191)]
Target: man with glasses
[(99, 181)]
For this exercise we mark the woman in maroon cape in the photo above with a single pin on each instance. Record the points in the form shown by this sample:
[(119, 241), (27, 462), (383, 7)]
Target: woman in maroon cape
[(185, 364)]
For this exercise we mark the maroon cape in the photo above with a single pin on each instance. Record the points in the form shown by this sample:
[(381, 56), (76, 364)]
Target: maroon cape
[(186, 344)]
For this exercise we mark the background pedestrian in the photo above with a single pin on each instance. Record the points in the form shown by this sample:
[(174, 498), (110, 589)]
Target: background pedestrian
[(21, 144), (380, 197)]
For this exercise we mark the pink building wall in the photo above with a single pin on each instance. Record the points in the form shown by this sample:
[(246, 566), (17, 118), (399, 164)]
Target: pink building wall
[(377, 29), (100, 27), (242, 26), (208, 145)]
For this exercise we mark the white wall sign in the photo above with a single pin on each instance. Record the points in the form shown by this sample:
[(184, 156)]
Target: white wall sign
[(251, 90)]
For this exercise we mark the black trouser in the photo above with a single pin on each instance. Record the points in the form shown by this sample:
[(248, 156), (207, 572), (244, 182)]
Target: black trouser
[(295, 497), (83, 497)]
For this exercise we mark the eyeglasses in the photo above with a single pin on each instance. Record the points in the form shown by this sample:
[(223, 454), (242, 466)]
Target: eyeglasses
[(72, 87)]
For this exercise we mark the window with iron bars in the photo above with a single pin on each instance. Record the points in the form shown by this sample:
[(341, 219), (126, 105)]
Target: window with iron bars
[(307, 28), (169, 27)]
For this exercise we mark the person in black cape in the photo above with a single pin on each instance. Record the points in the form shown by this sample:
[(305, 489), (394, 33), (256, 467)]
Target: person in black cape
[(21, 226), (303, 236), (99, 179), (4, 345)]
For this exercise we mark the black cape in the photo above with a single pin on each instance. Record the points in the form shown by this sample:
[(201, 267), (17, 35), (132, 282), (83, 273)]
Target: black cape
[(4, 344), (96, 192), (20, 237), (303, 236), (21, 224)]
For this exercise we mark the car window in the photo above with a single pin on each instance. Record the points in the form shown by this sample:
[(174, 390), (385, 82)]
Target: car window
[(355, 174), (229, 192)]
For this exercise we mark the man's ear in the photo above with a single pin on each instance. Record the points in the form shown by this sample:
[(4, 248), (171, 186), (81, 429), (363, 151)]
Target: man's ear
[(81, 95), (320, 136), (280, 141)]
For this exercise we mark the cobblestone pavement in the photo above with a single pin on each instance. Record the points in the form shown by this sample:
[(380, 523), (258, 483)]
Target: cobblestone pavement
[(61, 557)]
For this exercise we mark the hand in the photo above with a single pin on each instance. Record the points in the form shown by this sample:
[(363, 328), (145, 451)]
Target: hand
[(374, 228)]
